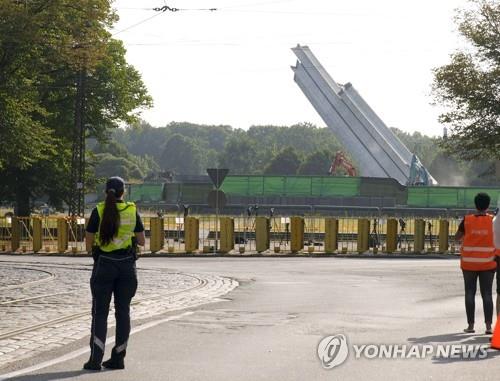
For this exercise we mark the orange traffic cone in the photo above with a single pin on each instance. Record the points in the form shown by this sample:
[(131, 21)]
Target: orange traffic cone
[(495, 339)]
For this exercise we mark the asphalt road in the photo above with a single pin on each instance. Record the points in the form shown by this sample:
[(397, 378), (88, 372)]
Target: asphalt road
[(270, 326)]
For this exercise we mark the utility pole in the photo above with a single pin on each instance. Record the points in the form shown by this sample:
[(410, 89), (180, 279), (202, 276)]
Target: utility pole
[(77, 189)]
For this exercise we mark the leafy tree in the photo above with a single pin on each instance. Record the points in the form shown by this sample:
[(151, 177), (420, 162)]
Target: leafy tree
[(239, 155), (43, 46), (425, 147), (110, 165), (287, 162), (180, 156), (469, 85), (129, 167), (317, 163)]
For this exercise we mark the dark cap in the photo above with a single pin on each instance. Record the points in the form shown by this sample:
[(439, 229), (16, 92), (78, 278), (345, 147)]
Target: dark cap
[(115, 183)]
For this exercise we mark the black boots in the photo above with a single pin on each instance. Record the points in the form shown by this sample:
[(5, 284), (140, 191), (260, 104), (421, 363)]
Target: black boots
[(92, 365), (116, 361)]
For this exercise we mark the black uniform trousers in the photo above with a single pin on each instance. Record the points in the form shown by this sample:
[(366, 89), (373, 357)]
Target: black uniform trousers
[(485, 285), (113, 273)]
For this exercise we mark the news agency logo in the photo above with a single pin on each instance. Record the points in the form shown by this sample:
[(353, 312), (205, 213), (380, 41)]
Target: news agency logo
[(334, 350)]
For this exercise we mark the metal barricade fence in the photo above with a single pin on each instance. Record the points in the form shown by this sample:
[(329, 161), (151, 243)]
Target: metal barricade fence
[(76, 234), (25, 232), (173, 227), (245, 234), (49, 234), (454, 245), (406, 228), (280, 234), (314, 234), (146, 221), (239, 234), (5, 234), (347, 235), (209, 234)]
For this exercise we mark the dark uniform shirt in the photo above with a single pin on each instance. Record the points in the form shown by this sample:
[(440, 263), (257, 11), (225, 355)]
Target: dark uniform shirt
[(93, 224)]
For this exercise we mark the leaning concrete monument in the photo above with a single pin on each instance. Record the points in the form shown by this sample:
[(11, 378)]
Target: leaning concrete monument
[(378, 152)]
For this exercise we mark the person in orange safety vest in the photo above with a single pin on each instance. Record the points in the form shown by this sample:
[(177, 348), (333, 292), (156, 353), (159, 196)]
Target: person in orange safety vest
[(478, 260)]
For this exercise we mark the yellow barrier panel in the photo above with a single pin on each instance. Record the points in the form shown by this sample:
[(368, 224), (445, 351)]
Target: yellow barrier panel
[(15, 234), (191, 234), (226, 234), (363, 233), (391, 240), (37, 234), (262, 236), (62, 235), (419, 240), (331, 235), (157, 235), (444, 227), (297, 232)]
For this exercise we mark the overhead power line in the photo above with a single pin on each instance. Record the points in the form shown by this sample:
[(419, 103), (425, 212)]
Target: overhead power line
[(166, 8), (161, 10)]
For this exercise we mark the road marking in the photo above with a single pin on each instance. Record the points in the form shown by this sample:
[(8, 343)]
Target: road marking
[(82, 351)]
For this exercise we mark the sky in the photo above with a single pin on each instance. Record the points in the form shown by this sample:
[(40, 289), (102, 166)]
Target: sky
[(232, 66)]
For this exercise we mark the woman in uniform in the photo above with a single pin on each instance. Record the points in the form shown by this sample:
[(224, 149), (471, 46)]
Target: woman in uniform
[(113, 227)]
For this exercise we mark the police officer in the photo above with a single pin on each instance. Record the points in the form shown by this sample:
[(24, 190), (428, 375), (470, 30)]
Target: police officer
[(478, 260), (112, 228)]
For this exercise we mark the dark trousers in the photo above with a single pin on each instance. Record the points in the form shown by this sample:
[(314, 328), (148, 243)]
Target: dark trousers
[(117, 275), (485, 285)]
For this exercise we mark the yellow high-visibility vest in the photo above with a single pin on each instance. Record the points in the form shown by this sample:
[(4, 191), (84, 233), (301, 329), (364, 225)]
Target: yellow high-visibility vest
[(123, 238)]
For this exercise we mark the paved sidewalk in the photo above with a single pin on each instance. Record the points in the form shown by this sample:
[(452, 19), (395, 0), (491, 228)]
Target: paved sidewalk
[(45, 307)]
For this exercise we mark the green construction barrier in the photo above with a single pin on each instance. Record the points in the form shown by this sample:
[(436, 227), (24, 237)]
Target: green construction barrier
[(448, 197), (145, 192), (305, 186)]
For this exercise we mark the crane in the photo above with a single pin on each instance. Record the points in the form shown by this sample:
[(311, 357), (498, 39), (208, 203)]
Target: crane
[(341, 161)]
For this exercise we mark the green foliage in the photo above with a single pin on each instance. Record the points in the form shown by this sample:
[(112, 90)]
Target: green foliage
[(469, 85), (317, 163), (425, 147), (43, 46), (239, 154), (110, 165), (304, 138), (286, 162), (181, 156), (245, 152), (113, 159)]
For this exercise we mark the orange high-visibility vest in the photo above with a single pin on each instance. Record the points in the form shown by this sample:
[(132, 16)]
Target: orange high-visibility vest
[(478, 249)]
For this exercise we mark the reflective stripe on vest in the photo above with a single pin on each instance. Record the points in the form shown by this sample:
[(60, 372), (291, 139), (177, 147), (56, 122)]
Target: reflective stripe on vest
[(478, 260), (123, 238), (478, 251)]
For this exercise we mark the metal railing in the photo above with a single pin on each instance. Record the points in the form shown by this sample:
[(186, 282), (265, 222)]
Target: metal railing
[(245, 234)]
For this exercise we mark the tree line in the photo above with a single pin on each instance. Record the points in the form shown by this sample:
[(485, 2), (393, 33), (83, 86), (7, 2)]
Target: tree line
[(301, 149)]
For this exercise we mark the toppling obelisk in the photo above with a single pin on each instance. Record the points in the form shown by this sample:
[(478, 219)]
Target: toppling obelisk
[(370, 142)]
